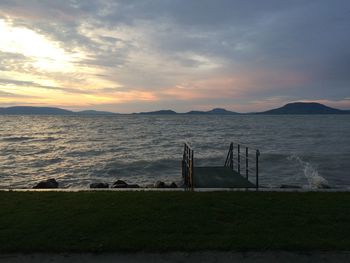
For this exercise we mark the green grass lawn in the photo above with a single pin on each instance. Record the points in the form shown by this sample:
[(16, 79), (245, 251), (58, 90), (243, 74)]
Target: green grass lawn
[(170, 221)]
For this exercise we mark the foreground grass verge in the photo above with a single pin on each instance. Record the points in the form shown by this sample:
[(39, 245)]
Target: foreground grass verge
[(169, 221)]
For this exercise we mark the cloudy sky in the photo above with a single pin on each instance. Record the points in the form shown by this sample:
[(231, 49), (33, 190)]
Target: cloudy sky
[(130, 56)]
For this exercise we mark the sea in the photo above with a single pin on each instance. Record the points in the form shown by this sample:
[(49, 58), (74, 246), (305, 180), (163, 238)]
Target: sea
[(309, 151)]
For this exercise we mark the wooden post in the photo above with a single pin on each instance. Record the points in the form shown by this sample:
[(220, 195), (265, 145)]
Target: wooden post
[(187, 168), (192, 171), (257, 169), (239, 158), (246, 162), (184, 166), (231, 155)]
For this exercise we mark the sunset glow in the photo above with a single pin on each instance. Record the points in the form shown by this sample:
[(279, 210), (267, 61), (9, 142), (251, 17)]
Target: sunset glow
[(111, 56)]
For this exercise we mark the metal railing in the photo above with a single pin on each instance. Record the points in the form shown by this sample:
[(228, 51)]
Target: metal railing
[(244, 161), (187, 167)]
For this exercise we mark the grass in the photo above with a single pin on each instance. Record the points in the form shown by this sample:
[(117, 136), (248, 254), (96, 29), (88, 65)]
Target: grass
[(170, 221)]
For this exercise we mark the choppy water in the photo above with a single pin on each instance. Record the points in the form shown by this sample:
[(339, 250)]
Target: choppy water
[(298, 150)]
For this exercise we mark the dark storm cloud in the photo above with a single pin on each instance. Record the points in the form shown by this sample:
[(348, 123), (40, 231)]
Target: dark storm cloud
[(310, 37)]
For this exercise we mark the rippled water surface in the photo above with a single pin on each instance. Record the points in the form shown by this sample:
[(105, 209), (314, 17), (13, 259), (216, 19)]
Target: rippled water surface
[(299, 150)]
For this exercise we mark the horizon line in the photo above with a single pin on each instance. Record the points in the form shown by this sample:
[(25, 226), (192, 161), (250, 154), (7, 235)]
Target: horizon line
[(160, 110)]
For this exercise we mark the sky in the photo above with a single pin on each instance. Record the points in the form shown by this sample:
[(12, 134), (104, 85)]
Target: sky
[(142, 55)]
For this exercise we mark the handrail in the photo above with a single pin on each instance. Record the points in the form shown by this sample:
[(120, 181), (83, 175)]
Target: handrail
[(188, 167), (229, 158), (243, 159)]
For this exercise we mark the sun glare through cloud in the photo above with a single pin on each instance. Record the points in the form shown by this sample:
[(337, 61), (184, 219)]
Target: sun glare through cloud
[(46, 55)]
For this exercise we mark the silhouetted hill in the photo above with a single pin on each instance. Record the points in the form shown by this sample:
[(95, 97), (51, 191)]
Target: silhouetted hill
[(304, 108), (193, 112), (27, 110), (221, 111), (159, 112), (218, 111), (290, 108)]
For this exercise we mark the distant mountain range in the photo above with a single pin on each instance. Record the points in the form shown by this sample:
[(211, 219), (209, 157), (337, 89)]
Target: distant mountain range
[(158, 112), (27, 110), (217, 111), (170, 112), (290, 108)]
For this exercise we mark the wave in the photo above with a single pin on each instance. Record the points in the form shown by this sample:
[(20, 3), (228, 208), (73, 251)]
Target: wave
[(39, 163), (148, 148), (47, 139), (17, 139), (310, 172), (85, 153)]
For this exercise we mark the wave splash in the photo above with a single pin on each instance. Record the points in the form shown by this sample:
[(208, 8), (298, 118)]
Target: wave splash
[(314, 179)]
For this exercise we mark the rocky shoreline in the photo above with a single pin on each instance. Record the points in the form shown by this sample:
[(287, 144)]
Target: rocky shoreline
[(121, 184), (53, 184)]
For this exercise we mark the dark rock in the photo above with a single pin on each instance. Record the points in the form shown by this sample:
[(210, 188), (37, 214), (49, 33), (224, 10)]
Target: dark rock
[(47, 184), (290, 186), (120, 184), (159, 184), (173, 185), (99, 185)]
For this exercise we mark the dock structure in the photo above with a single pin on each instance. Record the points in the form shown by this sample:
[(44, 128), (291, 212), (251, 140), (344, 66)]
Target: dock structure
[(240, 167)]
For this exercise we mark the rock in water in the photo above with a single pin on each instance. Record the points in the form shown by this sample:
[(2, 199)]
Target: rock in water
[(173, 185), (47, 184), (120, 184), (99, 185)]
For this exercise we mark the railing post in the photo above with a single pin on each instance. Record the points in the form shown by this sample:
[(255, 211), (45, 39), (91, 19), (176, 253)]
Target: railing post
[(183, 171), (257, 169), (246, 162), (187, 167), (192, 170), (231, 155), (239, 158), (184, 166)]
